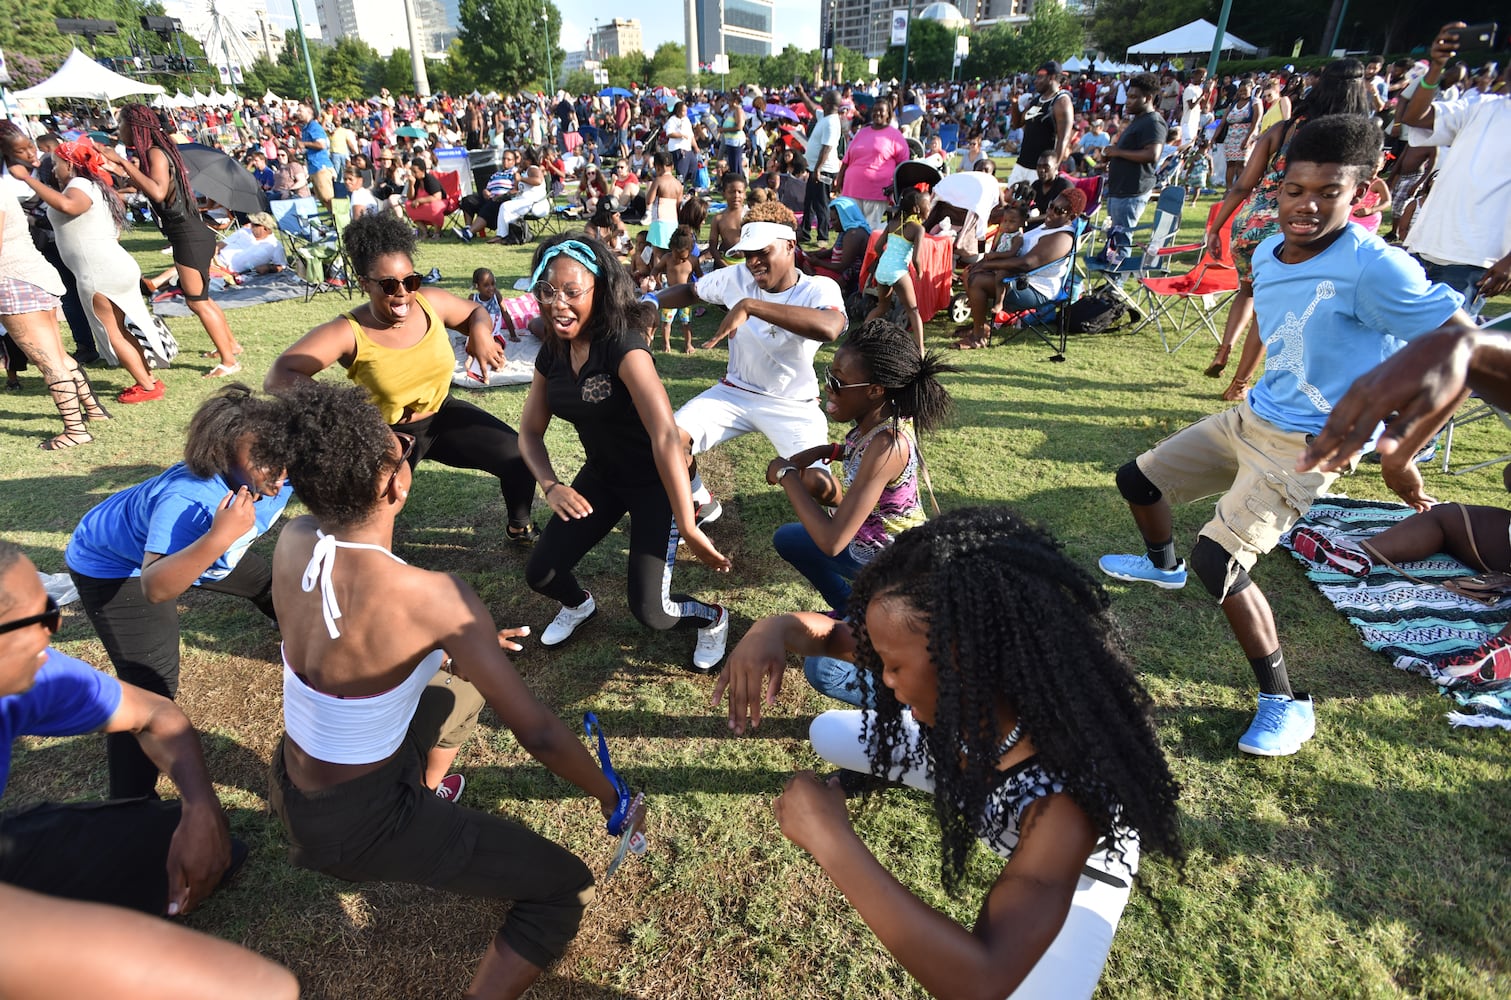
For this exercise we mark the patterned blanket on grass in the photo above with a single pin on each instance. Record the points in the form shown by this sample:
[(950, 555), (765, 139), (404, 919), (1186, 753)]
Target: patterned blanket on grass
[(1415, 625)]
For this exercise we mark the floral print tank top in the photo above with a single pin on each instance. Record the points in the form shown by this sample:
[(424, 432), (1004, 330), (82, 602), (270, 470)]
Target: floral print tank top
[(898, 507)]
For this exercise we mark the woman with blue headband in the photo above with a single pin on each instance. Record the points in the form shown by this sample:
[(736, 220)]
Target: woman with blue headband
[(595, 371), (396, 347)]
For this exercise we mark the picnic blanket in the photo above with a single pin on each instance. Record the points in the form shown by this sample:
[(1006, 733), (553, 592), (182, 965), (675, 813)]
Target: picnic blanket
[(1416, 625), (519, 364), (256, 290)]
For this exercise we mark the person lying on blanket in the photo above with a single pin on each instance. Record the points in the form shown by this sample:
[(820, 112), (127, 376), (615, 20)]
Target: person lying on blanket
[(1332, 301)]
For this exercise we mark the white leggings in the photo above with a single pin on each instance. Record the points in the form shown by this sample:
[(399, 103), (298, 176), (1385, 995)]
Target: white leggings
[(1071, 967)]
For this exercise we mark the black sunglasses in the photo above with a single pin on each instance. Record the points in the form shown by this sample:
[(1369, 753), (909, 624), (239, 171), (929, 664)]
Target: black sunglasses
[(835, 385), (406, 446), (390, 286), (51, 619)]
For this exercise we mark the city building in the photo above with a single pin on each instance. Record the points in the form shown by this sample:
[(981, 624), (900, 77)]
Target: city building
[(618, 37), (383, 25), (734, 27), (865, 25)]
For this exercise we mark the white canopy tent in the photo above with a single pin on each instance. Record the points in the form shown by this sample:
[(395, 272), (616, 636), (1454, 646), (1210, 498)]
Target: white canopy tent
[(81, 76), (1190, 39), (180, 100), (270, 98), (197, 99), (1076, 64)]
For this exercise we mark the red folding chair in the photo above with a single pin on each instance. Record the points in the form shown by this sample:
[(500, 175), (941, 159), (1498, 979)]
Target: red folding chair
[(451, 189), (1201, 292)]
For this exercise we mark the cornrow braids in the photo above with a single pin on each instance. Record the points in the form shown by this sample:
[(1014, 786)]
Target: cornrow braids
[(1009, 617), (890, 357)]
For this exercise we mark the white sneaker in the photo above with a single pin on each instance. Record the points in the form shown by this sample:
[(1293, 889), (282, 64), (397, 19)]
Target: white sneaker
[(711, 642), (566, 622)]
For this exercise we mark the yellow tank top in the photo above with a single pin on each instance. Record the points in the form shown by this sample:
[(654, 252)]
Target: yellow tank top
[(405, 380)]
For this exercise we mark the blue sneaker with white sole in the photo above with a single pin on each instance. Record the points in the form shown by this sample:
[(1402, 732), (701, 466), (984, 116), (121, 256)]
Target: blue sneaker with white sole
[(1138, 569), (1280, 726)]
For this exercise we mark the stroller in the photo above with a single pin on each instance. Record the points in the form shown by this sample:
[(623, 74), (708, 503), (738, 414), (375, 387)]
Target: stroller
[(935, 268)]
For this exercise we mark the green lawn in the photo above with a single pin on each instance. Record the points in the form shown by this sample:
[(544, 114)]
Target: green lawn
[(1373, 863)]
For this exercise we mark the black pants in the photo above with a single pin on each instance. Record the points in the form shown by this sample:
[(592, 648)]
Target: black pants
[(653, 551), (477, 204), (101, 852), (687, 165), (815, 207), (386, 826), (464, 437), (142, 641)]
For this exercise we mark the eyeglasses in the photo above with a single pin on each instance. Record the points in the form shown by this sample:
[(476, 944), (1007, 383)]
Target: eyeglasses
[(406, 448), (545, 293), (835, 385), (411, 283), (51, 619)]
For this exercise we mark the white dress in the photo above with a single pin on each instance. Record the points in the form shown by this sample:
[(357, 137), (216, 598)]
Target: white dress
[(90, 246)]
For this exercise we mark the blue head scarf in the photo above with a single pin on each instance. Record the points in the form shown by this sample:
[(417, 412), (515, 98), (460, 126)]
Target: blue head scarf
[(850, 215), (576, 249)]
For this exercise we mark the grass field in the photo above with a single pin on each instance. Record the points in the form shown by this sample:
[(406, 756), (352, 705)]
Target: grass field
[(1372, 864)]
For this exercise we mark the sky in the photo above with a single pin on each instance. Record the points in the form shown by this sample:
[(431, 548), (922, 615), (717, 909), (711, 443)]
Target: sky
[(798, 20)]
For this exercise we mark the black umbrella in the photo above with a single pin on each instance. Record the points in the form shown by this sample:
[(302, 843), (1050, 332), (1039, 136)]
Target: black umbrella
[(216, 176)]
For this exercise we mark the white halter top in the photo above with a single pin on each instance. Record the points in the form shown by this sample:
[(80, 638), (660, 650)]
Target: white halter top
[(348, 730)]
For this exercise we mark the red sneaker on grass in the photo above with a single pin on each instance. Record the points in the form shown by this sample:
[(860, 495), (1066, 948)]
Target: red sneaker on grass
[(136, 394)]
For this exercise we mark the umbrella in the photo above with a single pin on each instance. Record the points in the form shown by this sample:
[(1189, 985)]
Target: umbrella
[(412, 132), (801, 110), (862, 100), (221, 179), (781, 111), (614, 92), (909, 113)]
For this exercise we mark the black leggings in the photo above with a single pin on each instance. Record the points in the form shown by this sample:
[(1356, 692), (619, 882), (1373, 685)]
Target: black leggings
[(653, 551), (142, 641), (464, 437)]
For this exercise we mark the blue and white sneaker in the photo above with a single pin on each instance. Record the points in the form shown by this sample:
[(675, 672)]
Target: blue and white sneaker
[(1280, 726), (1138, 569)]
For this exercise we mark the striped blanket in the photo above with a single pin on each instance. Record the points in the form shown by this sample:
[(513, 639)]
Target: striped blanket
[(1416, 625)]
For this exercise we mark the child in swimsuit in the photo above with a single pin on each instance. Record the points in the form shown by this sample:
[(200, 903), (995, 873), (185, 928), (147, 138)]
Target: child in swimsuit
[(904, 232)]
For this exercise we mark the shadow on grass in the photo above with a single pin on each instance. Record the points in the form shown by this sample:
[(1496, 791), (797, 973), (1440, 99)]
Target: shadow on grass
[(76, 769)]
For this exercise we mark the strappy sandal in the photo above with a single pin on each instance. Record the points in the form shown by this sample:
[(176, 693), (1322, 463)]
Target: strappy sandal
[(65, 396), (235, 352), (222, 370), (93, 408)]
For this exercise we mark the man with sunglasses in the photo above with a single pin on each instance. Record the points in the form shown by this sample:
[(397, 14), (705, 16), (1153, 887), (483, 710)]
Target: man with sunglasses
[(144, 854), (778, 318)]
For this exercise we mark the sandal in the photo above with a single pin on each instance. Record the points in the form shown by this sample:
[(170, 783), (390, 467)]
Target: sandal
[(222, 370), (65, 395), (93, 408), (235, 352), (1236, 390), (1219, 361), (65, 441)]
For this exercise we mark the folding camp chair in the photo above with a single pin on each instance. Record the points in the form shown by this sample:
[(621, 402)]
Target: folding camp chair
[(1478, 410), (1152, 261), (451, 207), (1051, 321), (1201, 292), (1093, 188), (949, 136)]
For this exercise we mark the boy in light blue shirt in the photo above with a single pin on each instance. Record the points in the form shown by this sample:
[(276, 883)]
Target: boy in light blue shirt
[(1333, 301)]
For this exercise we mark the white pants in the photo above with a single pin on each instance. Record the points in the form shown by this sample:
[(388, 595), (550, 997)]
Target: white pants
[(516, 209), (723, 413), (1069, 970), (1022, 172)]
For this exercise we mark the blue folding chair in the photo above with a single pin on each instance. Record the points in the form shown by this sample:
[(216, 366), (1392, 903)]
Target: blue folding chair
[(1152, 261), (1051, 321), (949, 135)]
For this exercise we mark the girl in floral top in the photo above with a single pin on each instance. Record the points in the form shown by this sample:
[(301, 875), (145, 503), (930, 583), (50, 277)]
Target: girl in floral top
[(879, 381)]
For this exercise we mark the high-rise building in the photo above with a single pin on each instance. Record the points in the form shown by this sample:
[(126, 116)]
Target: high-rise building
[(734, 27), (383, 25), (618, 37), (866, 25)]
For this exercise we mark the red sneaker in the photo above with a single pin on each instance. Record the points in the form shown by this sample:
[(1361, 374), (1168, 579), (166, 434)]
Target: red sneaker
[(1316, 547), (1486, 665), (136, 394), (450, 788)]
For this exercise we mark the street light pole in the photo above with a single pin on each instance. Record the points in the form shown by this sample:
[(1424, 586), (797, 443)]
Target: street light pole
[(545, 28)]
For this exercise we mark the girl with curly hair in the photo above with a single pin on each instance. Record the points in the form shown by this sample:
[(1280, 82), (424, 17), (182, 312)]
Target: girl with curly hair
[(397, 348), (386, 667), (595, 371), (997, 688), (161, 175)]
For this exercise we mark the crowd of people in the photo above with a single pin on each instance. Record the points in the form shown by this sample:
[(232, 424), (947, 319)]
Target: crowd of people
[(931, 628)]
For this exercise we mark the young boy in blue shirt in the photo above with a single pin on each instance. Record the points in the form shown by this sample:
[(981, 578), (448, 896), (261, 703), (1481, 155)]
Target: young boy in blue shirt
[(1333, 300)]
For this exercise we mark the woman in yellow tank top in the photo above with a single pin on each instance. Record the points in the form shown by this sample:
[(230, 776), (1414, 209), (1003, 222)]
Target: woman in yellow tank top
[(396, 348)]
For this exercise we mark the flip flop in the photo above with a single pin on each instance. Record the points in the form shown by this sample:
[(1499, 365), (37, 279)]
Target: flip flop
[(222, 370)]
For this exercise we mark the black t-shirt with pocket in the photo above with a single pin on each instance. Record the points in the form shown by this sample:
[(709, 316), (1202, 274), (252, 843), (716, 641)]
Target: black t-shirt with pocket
[(1126, 179), (599, 405)]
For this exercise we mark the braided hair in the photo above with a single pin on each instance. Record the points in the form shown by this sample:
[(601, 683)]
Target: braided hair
[(1010, 618), (144, 130), (890, 358)]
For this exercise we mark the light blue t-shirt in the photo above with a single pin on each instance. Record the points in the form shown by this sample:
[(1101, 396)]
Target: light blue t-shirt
[(1329, 320), (316, 160), (167, 513), (69, 697)]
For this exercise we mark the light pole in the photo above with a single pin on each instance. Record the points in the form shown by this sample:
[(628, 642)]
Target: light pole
[(545, 28), (303, 48)]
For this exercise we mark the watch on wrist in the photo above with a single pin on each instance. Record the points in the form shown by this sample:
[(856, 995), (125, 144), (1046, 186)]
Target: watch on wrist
[(784, 470)]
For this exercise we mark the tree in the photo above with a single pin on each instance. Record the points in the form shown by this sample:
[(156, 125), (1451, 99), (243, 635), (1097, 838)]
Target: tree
[(669, 66), (931, 53), (579, 81), (996, 51), (1052, 32), (504, 42), (627, 69), (347, 68), (1117, 24)]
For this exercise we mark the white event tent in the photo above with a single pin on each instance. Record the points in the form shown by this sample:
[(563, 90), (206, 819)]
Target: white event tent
[(1190, 39), (81, 76)]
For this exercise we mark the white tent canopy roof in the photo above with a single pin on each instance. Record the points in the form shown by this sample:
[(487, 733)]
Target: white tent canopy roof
[(81, 76), (1078, 64), (1188, 39)]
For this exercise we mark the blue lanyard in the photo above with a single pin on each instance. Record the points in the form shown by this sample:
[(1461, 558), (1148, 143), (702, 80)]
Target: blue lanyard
[(591, 727)]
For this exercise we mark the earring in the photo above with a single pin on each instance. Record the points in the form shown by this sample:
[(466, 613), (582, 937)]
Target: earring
[(403, 494)]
